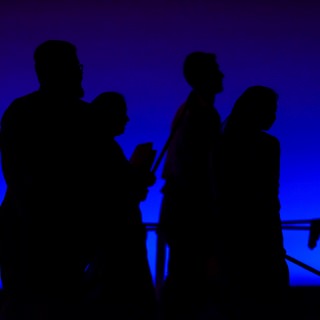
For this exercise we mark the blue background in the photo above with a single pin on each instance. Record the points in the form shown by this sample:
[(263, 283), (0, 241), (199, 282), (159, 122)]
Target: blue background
[(137, 48)]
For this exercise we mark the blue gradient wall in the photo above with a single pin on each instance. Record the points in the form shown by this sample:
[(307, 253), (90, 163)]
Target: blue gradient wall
[(137, 48)]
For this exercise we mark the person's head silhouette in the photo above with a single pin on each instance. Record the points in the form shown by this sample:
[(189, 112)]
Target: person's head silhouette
[(58, 68), (110, 111), (202, 73), (255, 108)]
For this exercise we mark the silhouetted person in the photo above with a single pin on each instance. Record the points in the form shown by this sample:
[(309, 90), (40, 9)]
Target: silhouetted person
[(254, 251), (43, 228), (122, 282), (189, 204)]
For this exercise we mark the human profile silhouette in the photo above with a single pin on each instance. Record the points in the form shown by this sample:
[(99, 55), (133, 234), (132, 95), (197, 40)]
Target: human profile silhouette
[(44, 216), (189, 203), (256, 268), (120, 271), (58, 68)]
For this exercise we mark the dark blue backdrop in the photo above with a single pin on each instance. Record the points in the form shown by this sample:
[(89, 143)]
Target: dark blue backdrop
[(137, 48)]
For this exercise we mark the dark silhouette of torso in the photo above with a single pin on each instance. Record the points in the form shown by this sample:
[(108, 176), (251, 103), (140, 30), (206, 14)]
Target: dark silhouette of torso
[(43, 163), (192, 156), (189, 210), (251, 180)]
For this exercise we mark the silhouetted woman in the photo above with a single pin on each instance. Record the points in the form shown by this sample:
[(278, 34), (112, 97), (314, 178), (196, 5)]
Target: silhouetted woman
[(253, 241), (123, 287)]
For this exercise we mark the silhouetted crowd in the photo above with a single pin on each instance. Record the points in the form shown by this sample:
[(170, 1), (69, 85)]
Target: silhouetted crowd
[(72, 237)]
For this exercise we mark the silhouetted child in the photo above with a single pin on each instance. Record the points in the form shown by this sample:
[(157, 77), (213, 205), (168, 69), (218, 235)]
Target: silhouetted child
[(254, 252), (124, 286)]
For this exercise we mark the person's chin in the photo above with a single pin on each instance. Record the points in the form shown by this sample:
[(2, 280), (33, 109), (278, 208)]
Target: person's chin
[(80, 92), (74, 91), (220, 89), (119, 132), (267, 127)]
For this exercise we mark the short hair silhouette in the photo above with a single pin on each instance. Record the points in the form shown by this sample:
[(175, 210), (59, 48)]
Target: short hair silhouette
[(110, 109), (57, 61), (53, 51), (109, 102), (198, 67)]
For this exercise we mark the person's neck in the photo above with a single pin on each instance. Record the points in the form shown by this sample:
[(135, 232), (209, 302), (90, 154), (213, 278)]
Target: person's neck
[(207, 98), (61, 92)]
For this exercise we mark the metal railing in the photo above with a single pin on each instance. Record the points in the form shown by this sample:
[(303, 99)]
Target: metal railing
[(311, 225)]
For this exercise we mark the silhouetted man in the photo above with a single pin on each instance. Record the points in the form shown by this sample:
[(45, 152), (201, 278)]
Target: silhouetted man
[(121, 274), (189, 203), (44, 164)]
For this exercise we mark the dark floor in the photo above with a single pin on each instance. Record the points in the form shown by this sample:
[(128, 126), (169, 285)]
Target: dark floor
[(304, 303)]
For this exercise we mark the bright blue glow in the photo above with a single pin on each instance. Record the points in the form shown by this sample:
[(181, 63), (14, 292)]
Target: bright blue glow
[(137, 48)]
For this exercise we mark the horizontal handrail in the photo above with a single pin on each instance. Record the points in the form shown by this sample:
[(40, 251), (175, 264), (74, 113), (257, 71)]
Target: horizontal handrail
[(296, 227), (153, 226), (285, 224), (299, 221)]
